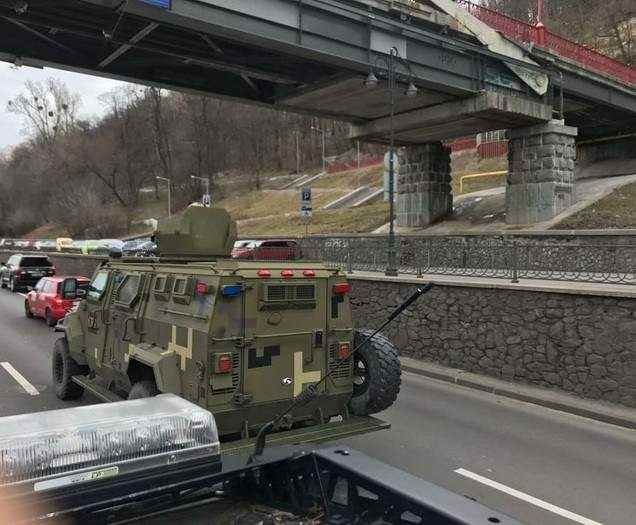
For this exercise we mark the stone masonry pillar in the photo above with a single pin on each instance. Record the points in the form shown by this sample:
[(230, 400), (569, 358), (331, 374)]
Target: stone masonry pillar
[(424, 185), (540, 172)]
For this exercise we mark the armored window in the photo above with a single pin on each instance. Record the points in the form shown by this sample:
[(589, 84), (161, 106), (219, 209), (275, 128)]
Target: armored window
[(128, 291), (160, 283), (162, 287), (98, 286), (182, 290)]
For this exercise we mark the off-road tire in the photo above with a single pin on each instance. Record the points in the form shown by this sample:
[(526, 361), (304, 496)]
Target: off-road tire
[(27, 310), (383, 375), (49, 318), (143, 389), (64, 367)]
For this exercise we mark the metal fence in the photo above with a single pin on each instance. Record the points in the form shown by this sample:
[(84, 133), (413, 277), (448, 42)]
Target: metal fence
[(480, 256), (541, 36)]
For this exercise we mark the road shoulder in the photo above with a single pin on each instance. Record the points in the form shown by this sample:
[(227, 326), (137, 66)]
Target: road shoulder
[(612, 414)]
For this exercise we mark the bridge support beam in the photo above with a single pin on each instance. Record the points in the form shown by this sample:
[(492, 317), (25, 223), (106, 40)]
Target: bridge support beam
[(424, 190), (540, 172)]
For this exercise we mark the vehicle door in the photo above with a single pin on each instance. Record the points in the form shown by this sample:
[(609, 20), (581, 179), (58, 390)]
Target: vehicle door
[(285, 336), (125, 328), (94, 315), (36, 297)]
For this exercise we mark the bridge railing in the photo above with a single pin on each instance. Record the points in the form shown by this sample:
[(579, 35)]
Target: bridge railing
[(480, 256), (542, 37)]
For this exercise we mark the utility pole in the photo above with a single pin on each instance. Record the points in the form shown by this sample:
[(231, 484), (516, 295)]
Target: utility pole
[(540, 12), (164, 179), (358, 146), (297, 133), (324, 160)]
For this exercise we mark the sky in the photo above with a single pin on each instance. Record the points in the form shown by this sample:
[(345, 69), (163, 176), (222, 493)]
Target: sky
[(12, 81)]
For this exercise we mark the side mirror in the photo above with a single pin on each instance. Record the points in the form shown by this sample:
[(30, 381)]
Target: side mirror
[(81, 293)]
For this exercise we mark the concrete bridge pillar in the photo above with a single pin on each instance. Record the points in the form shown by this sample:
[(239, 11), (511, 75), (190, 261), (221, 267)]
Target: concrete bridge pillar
[(540, 172), (423, 182)]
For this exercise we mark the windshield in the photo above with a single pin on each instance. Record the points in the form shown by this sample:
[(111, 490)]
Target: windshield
[(30, 262)]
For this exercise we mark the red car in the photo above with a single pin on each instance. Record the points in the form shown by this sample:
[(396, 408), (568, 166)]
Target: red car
[(266, 250), (46, 299)]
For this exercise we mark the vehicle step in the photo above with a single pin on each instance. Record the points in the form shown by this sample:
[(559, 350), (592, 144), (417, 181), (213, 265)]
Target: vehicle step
[(314, 434), (97, 390)]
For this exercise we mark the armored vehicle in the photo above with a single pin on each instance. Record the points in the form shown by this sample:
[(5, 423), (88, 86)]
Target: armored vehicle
[(239, 338)]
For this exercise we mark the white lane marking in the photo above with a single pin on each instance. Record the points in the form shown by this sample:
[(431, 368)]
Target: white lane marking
[(526, 497), (20, 379)]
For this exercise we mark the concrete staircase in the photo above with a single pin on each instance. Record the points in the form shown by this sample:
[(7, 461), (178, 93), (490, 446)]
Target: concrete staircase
[(302, 180), (357, 197)]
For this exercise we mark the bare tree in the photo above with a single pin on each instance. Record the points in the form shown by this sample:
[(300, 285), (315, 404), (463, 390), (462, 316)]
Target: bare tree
[(49, 109)]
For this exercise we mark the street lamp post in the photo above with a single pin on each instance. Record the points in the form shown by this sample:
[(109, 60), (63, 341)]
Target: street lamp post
[(169, 193), (387, 66), (324, 161)]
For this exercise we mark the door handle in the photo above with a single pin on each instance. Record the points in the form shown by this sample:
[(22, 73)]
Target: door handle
[(125, 336)]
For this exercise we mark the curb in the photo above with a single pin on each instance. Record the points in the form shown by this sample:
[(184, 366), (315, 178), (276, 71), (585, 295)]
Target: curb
[(623, 417)]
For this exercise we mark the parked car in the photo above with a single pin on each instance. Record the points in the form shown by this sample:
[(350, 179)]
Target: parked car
[(46, 245), (266, 250), (63, 243), (53, 297), (139, 248), (23, 271)]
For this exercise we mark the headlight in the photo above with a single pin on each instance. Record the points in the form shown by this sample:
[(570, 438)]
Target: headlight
[(76, 445)]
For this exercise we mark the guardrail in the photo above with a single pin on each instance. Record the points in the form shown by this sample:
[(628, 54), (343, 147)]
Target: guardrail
[(481, 256), (541, 36)]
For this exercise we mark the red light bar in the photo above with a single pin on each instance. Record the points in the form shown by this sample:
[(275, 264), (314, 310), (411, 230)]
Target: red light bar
[(309, 273), (341, 288), (264, 273), (286, 274)]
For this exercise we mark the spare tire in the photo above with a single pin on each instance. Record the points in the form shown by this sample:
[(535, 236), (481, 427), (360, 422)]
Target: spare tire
[(376, 374)]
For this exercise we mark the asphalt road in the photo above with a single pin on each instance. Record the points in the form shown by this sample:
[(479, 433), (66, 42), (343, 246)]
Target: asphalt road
[(535, 464)]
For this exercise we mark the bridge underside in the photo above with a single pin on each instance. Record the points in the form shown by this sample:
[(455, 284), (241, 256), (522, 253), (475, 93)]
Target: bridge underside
[(313, 56), (315, 65)]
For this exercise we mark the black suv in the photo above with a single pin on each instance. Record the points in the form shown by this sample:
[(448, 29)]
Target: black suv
[(22, 271)]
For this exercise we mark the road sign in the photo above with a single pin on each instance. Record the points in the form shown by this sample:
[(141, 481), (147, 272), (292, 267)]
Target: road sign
[(305, 202), (206, 200)]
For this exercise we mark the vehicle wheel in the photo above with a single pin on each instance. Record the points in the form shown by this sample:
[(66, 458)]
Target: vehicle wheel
[(2, 283), (64, 368), (27, 310), (143, 389), (376, 375), (49, 318)]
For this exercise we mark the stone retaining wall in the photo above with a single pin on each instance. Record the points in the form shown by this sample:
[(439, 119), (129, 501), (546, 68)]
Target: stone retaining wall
[(582, 344)]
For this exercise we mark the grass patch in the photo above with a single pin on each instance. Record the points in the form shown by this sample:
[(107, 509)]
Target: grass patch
[(271, 202), (371, 176), (353, 220), (617, 210)]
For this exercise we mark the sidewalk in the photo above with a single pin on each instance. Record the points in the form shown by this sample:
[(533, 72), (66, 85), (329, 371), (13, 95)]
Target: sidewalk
[(605, 412), (532, 285)]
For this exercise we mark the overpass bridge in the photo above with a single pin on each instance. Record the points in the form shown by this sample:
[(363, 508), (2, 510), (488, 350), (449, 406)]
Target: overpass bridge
[(312, 56)]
